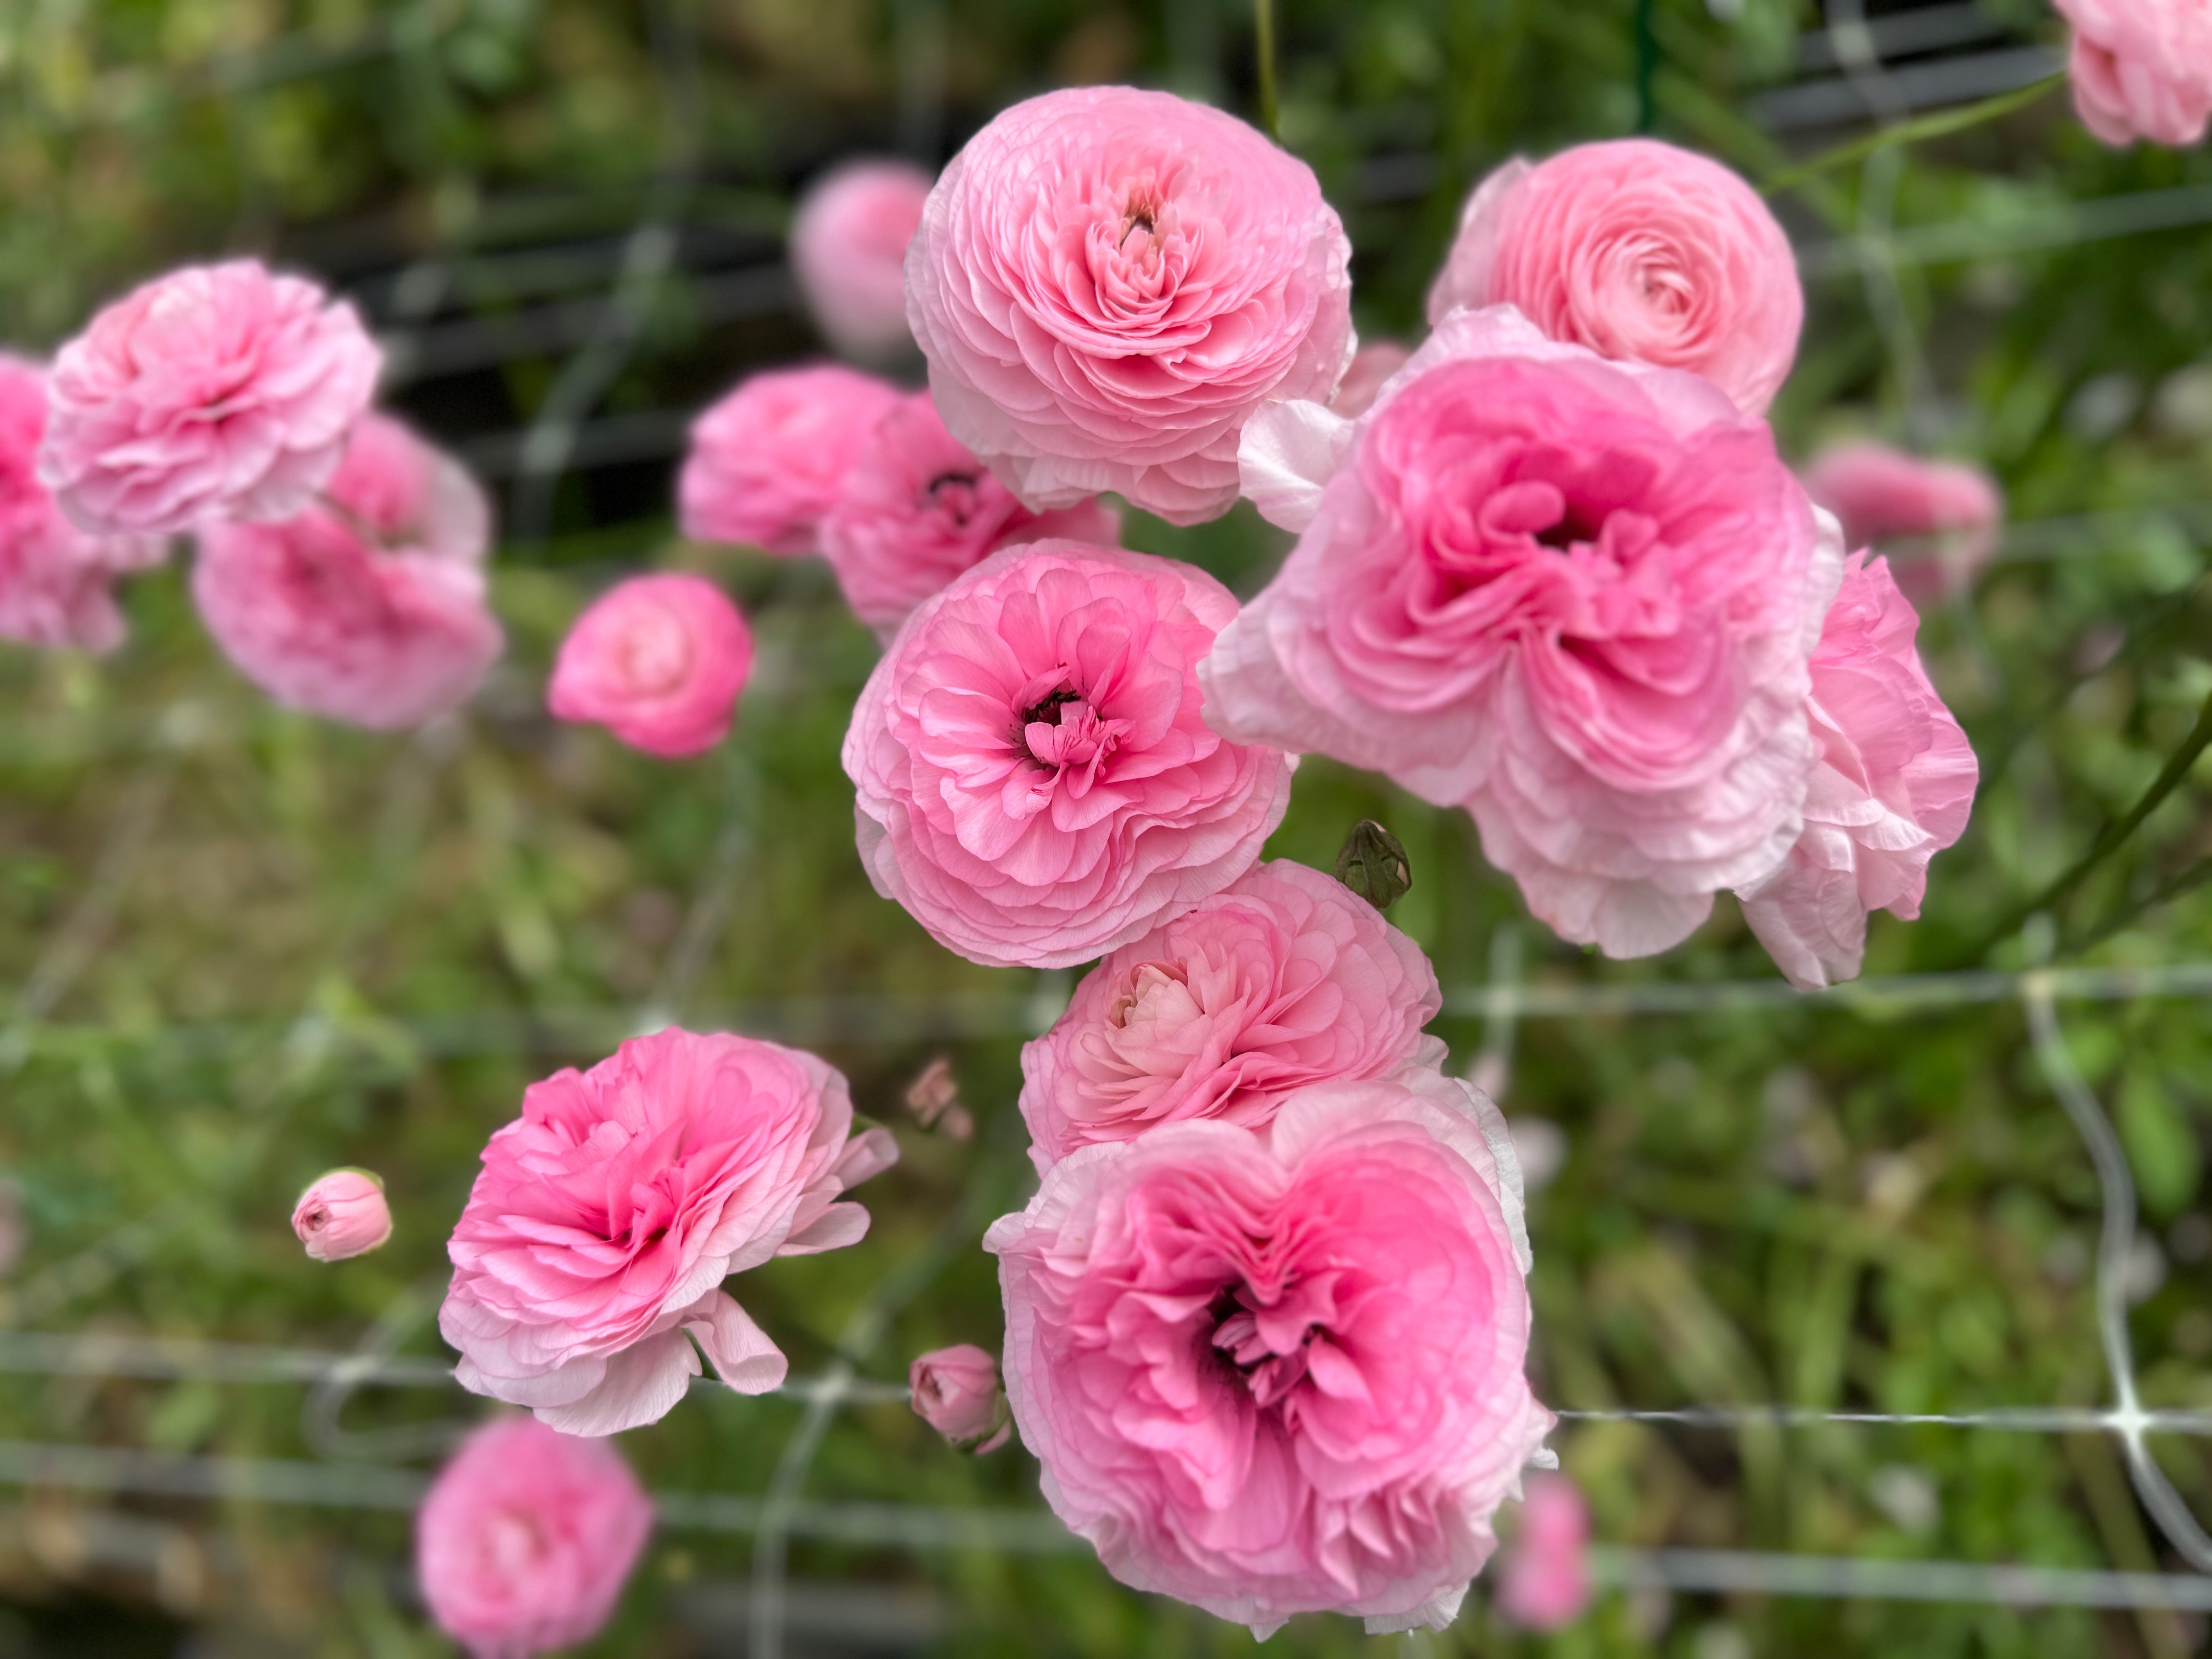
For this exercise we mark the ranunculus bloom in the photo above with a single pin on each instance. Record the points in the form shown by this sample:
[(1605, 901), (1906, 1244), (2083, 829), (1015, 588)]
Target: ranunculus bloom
[(1546, 1582), (956, 1391), (1032, 779), (343, 1214), (2141, 69), (369, 607), (848, 242), (1285, 978), (597, 1237), (1108, 282), (659, 661), (54, 577), (767, 460), (1576, 597), (215, 392), (918, 508), (1880, 494), (1363, 382), (1894, 787), (1280, 1372), (526, 1538), (1641, 251)]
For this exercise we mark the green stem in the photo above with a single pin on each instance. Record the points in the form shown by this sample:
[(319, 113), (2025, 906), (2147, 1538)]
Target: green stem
[(1263, 29), (2172, 888), (1910, 132)]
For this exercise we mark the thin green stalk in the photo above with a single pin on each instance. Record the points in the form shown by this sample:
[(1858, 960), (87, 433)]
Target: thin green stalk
[(2194, 876), (1263, 30), (1910, 132)]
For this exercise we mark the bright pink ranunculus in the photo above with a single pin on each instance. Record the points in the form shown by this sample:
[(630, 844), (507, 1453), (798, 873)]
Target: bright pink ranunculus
[(1107, 283), (848, 242), (1643, 252), (368, 607), (2141, 69), (527, 1538), (1280, 1371), (956, 1391), (1881, 493), (917, 508), (343, 1214), (1371, 366), (1032, 778), (1285, 978), (1575, 597), (606, 1217), (659, 661), (767, 460), (215, 392), (1545, 1582), (1893, 788)]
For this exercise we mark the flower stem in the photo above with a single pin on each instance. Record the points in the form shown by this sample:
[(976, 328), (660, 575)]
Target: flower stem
[(1263, 31), (1910, 132)]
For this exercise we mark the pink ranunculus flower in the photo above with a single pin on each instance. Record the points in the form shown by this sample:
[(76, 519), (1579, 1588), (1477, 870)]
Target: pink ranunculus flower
[(526, 1538), (1643, 252), (595, 1239), (918, 508), (215, 392), (956, 1391), (1881, 493), (848, 242), (1545, 1581), (659, 661), (1032, 779), (1575, 597), (1371, 366), (1893, 788), (343, 1214), (2141, 69), (1280, 1371), (1107, 283), (368, 607), (767, 460), (1285, 978)]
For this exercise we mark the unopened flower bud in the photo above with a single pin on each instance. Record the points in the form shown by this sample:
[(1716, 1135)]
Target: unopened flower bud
[(1372, 864), (956, 1392), (343, 1214)]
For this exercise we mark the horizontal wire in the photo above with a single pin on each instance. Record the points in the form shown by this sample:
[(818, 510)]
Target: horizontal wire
[(1870, 1578), (2021, 1419)]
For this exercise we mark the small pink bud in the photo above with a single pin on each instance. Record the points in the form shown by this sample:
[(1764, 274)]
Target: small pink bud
[(343, 1214), (1545, 1582), (956, 1392)]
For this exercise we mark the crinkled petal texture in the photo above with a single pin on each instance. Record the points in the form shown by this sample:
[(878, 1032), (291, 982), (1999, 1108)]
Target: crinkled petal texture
[(1881, 493), (1641, 251), (1894, 787), (2141, 69), (1575, 597), (217, 391), (527, 1538), (848, 242), (1286, 978), (1031, 777), (659, 661), (1108, 282), (369, 608), (767, 460), (590, 1255), (1280, 1371)]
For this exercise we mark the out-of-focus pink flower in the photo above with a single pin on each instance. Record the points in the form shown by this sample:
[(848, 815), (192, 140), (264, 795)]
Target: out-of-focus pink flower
[(54, 577), (848, 242), (1108, 282), (368, 607), (526, 1538), (1576, 597), (215, 392), (1032, 779), (1546, 1582), (767, 460), (595, 1241), (1643, 252), (1363, 382), (917, 509), (2141, 69), (659, 661), (343, 1214), (1280, 1372), (1879, 492), (1285, 978), (956, 1391), (1893, 788)]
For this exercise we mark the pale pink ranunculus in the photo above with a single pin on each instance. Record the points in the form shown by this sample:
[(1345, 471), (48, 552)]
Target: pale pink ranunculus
[(1280, 1371), (1285, 978), (1894, 787), (956, 1391), (1881, 493), (215, 392), (1575, 597), (917, 508), (343, 1214), (1107, 283), (848, 242), (659, 661), (595, 1239), (369, 607), (1371, 366), (1032, 778), (767, 460), (54, 577), (1545, 1583), (1643, 252), (526, 1538), (2141, 69)]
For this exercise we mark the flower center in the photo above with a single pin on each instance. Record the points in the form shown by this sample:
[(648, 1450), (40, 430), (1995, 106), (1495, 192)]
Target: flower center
[(656, 654), (953, 494), (1265, 1348)]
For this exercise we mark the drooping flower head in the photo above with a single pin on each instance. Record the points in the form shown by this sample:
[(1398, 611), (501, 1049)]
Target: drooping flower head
[(956, 1391), (1545, 1581), (343, 1214), (659, 661), (767, 460), (1879, 492), (2141, 69), (848, 242)]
